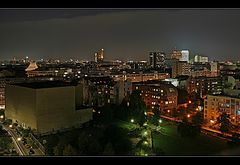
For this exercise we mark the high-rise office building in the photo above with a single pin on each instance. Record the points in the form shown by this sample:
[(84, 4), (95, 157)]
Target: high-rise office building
[(201, 59), (180, 55), (156, 59), (176, 54), (99, 56), (178, 67), (185, 55)]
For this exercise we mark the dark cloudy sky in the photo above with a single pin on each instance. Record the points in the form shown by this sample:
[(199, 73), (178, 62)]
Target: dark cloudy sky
[(124, 34)]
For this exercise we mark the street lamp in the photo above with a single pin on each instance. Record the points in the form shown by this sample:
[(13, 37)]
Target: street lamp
[(145, 133), (189, 101), (188, 115), (160, 121), (132, 120)]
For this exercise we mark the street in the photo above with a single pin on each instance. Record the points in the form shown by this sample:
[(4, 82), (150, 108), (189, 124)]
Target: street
[(19, 146)]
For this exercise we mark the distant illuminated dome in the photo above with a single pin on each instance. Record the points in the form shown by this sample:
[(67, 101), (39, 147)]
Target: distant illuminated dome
[(32, 66)]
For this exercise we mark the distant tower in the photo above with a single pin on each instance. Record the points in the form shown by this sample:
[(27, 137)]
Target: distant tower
[(99, 56), (26, 59), (102, 54), (156, 59)]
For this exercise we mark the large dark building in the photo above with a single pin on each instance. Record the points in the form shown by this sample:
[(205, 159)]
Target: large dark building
[(156, 59)]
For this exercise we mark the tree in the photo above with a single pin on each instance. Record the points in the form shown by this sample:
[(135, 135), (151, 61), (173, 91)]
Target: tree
[(185, 129), (88, 144), (52, 141), (58, 149), (137, 107), (119, 139), (224, 121), (156, 116), (108, 150), (5, 142), (183, 96), (197, 119), (106, 114), (69, 150), (159, 151)]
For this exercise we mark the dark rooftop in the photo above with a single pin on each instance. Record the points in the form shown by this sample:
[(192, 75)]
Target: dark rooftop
[(44, 84)]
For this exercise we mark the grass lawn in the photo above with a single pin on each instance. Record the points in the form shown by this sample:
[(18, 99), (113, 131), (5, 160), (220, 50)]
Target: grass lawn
[(125, 125), (173, 144)]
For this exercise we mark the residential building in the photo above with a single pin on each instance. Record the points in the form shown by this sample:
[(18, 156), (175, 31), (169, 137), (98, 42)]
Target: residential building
[(161, 93)]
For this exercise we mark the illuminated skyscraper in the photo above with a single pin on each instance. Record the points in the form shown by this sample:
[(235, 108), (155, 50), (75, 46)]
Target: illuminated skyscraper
[(156, 59), (180, 55), (99, 56), (185, 55)]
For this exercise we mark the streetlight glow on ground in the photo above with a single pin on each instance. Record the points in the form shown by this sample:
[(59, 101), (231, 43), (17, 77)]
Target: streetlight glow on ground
[(145, 133)]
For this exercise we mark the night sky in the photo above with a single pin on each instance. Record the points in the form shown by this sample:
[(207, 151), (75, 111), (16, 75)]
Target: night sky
[(124, 34)]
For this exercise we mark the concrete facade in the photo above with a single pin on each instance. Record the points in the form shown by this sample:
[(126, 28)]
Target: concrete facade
[(46, 109)]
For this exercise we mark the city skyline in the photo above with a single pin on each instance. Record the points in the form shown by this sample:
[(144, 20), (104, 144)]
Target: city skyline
[(125, 34)]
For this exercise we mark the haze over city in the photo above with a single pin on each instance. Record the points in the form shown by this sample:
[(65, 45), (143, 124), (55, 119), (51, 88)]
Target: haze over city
[(124, 34), (119, 82)]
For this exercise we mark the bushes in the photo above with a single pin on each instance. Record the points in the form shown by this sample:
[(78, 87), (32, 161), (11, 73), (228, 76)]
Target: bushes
[(186, 129)]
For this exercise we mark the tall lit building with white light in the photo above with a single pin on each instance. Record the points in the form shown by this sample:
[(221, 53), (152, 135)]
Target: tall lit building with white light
[(201, 59), (185, 55), (99, 56)]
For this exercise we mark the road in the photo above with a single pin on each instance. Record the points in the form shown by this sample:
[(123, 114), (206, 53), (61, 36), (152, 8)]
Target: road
[(19, 146)]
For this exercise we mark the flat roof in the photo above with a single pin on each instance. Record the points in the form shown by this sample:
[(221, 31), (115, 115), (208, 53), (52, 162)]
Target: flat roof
[(44, 84)]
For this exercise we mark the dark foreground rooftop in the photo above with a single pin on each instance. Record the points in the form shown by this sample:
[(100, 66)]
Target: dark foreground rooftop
[(44, 84)]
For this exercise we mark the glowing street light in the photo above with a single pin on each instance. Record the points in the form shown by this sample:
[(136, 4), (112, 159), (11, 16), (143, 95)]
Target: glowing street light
[(1, 116), (168, 111), (160, 121), (188, 115), (19, 139), (145, 133), (132, 120), (10, 125), (189, 101)]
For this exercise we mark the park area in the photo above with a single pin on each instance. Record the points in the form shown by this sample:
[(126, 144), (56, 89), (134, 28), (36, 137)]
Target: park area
[(172, 144)]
